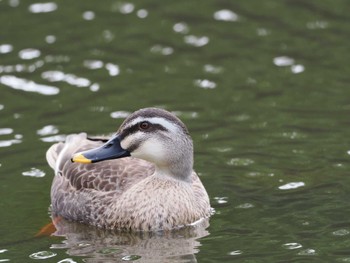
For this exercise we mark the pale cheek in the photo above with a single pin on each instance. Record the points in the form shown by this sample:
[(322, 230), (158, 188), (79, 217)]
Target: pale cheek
[(151, 151)]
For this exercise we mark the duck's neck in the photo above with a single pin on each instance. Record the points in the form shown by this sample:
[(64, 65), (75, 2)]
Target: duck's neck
[(176, 171)]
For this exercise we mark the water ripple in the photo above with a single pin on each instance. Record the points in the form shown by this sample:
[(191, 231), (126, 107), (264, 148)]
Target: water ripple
[(42, 7), (55, 138), (29, 53), (142, 13), (67, 260), (120, 114), (5, 48), (34, 172), (28, 85), (162, 50), (112, 69), (89, 15), (292, 185), (292, 246), (225, 15), (235, 253), (205, 84), (42, 255), (131, 257), (5, 131), (47, 130), (196, 41), (181, 27), (55, 76)]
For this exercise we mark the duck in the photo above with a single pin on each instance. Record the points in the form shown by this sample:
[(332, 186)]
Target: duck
[(140, 178)]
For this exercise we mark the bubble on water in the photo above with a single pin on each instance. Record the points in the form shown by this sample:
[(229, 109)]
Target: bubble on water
[(292, 246), (5, 48), (283, 61), (292, 185), (142, 13), (29, 53), (240, 162), (34, 172), (225, 15), (42, 255), (28, 85), (307, 252), (205, 84), (89, 15), (43, 7), (5, 131), (341, 232), (162, 50), (47, 130), (120, 114), (196, 41), (181, 27), (131, 257)]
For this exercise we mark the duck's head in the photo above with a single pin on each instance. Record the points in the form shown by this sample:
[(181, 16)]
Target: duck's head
[(152, 134)]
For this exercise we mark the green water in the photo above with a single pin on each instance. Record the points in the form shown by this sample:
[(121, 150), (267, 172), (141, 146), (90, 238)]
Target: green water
[(263, 88)]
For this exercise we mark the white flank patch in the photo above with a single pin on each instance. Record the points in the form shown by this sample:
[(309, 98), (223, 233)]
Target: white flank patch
[(157, 120)]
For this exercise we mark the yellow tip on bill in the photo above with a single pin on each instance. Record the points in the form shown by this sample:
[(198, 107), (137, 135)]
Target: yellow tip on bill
[(79, 158)]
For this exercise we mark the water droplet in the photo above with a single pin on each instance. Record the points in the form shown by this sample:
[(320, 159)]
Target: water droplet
[(5, 48), (42, 7), (292, 246), (235, 252), (292, 185), (142, 13), (225, 15), (240, 162), (341, 232), (181, 27), (120, 114), (34, 172), (29, 53), (131, 257), (205, 84), (283, 61), (196, 41), (89, 15), (47, 130), (42, 255), (113, 69), (307, 252)]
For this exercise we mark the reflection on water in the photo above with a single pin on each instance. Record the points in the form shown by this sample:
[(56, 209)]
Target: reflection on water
[(97, 245)]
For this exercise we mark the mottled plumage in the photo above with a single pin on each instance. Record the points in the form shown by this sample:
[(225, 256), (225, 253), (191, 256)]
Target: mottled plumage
[(130, 193)]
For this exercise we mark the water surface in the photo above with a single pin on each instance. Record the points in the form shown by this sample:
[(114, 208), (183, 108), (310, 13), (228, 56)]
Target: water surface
[(261, 85)]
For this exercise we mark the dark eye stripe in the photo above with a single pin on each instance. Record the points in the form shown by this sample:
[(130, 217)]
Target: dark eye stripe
[(135, 128)]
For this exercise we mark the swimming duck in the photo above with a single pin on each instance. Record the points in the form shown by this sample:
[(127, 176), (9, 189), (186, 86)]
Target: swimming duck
[(141, 178)]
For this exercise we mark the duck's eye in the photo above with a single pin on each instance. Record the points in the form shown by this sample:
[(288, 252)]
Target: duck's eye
[(144, 125)]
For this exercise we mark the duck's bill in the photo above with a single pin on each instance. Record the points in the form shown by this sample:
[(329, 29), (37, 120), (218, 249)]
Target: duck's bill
[(108, 151)]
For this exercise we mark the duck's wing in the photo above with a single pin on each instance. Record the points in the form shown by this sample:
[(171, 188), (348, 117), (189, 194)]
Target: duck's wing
[(111, 175)]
